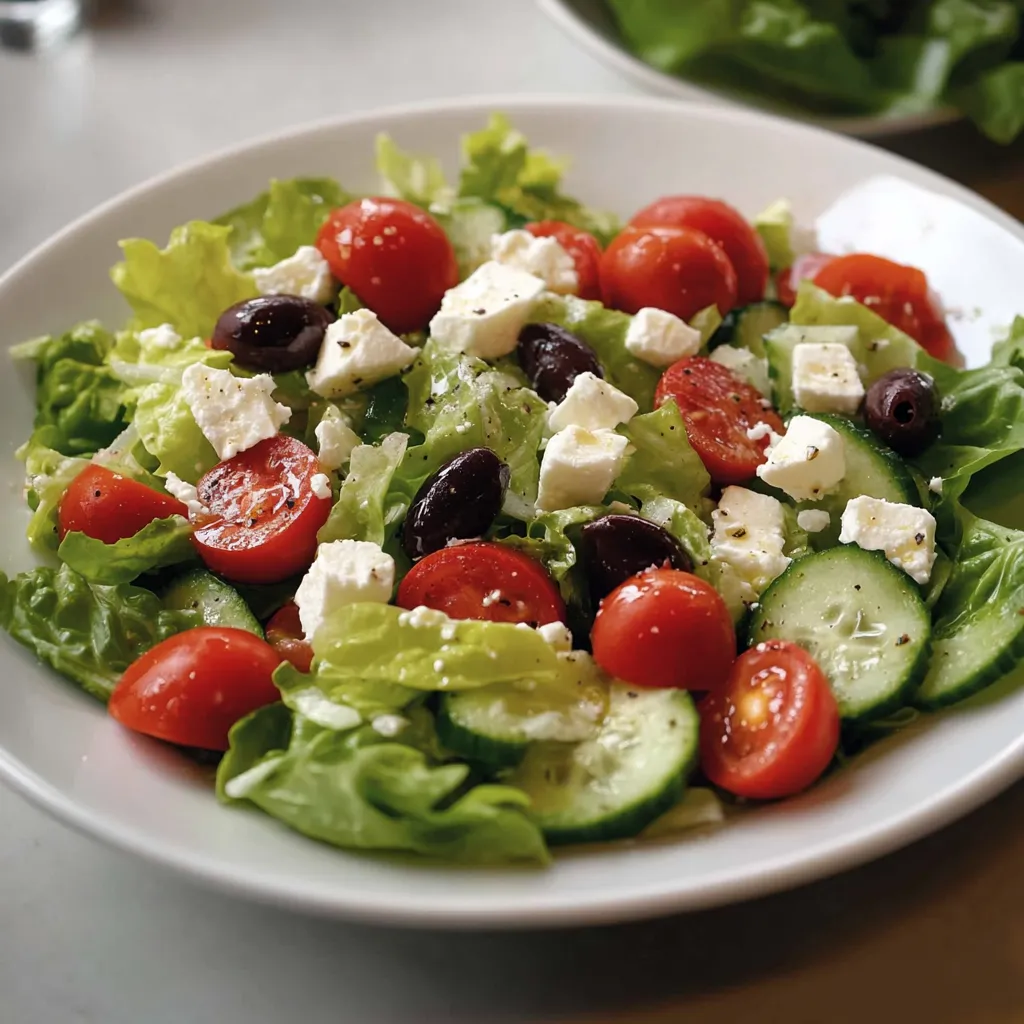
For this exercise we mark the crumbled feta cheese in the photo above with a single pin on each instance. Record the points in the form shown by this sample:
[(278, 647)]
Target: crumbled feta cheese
[(808, 462), (594, 404), (234, 413), (320, 484), (660, 338), (543, 257), (557, 634), (813, 520), (422, 617), (484, 314), (335, 439), (825, 378), (579, 467), (904, 532), (750, 534), (357, 351), (759, 431), (745, 365), (164, 336), (389, 725), (186, 494), (935, 485), (306, 274), (343, 572)]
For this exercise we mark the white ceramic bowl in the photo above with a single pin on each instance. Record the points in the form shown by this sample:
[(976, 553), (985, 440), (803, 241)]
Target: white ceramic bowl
[(59, 748), (590, 23)]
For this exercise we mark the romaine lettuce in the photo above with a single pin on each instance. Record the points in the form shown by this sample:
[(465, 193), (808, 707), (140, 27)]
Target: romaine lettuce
[(170, 434)]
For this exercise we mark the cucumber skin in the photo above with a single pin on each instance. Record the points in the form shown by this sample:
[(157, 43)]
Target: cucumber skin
[(897, 469), (191, 588), (487, 751), (730, 330)]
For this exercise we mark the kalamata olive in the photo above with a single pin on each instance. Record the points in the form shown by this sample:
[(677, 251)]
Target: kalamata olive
[(902, 409), (273, 333), (616, 547), (458, 502), (553, 358)]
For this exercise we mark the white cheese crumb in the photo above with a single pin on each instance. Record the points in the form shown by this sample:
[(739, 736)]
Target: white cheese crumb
[(594, 404), (321, 485), (905, 533), (306, 274), (335, 439), (557, 634), (186, 494), (813, 520), (389, 725), (543, 257), (164, 336), (935, 485)]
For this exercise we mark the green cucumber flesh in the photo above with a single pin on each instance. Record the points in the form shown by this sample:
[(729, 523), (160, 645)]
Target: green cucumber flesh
[(746, 327), (218, 602)]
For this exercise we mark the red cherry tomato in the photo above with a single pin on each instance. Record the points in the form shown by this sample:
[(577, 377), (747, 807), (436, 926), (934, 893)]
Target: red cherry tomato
[(665, 628), (191, 688), (285, 635), (264, 516), (394, 256), (582, 246), (897, 293), (676, 269), (107, 506), (773, 727), (804, 268), (483, 581), (718, 408), (726, 227)]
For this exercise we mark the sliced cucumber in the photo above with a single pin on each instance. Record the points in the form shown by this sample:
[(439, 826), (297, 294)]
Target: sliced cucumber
[(614, 785), (871, 469), (746, 327), (218, 602), (860, 618), (779, 345)]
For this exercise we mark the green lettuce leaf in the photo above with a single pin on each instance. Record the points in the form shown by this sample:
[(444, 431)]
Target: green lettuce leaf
[(418, 179), (995, 102), (187, 285), (775, 226), (48, 474), (138, 360), (170, 434), (160, 543), (87, 632)]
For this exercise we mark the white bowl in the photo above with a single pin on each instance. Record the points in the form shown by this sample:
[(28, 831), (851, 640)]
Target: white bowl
[(59, 748), (591, 24)]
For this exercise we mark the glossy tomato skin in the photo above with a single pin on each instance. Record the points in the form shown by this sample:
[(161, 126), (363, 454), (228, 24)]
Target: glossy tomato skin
[(191, 688), (109, 507), (264, 516), (285, 635), (581, 245), (726, 227), (718, 408), (897, 293), (665, 628), (773, 727), (394, 256), (484, 581), (676, 269), (804, 268)]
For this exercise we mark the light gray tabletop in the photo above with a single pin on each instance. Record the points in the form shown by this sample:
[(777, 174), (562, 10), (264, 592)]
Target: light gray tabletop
[(935, 932)]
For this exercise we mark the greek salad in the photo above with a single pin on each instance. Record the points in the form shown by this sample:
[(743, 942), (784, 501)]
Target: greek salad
[(462, 519)]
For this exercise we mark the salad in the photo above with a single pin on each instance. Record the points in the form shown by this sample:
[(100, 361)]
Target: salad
[(892, 58), (464, 520)]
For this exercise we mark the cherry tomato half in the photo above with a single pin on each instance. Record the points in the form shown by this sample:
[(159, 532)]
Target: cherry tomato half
[(676, 269), (726, 227), (394, 256), (718, 408), (285, 635), (483, 581), (804, 268), (264, 516), (191, 688), (581, 245), (773, 727), (109, 507), (665, 628)]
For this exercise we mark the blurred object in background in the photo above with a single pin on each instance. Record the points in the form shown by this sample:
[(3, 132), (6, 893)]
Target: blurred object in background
[(36, 24)]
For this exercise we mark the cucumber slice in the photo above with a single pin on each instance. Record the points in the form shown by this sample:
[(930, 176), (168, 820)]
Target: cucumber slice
[(218, 602), (616, 784), (779, 345), (860, 618), (746, 327)]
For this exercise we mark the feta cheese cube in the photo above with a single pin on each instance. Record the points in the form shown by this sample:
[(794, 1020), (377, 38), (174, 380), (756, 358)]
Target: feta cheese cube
[(813, 520), (234, 413), (594, 404), (343, 572), (557, 634), (745, 365), (484, 314), (904, 532), (750, 534), (808, 462), (660, 338), (306, 274), (357, 351), (164, 336), (335, 439), (543, 257), (825, 379), (579, 467), (935, 485), (320, 485)]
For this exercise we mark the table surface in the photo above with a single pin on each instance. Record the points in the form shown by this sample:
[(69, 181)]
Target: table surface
[(935, 932)]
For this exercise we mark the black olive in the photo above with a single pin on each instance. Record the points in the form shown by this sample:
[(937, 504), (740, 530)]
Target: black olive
[(617, 547), (273, 333), (553, 358), (902, 409), (458, 502)]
